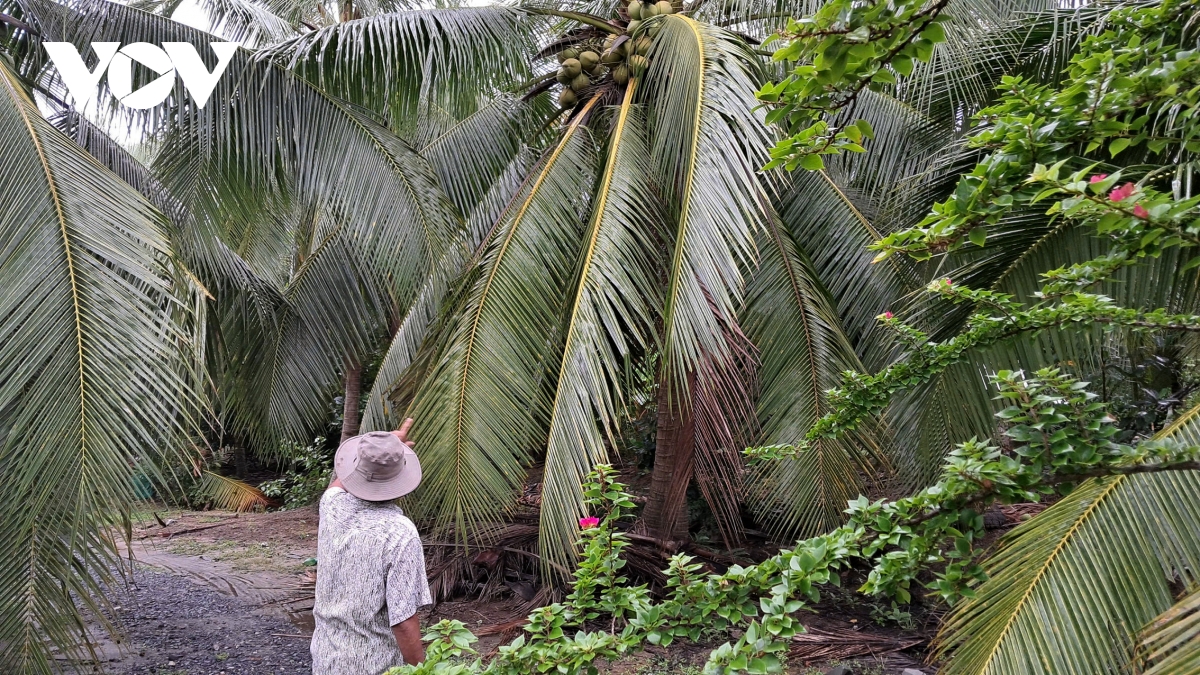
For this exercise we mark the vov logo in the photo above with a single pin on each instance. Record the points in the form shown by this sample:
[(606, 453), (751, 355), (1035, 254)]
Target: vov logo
[(171, 58)]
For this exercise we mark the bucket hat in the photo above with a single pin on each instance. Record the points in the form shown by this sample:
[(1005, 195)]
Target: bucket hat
[(377, 466)]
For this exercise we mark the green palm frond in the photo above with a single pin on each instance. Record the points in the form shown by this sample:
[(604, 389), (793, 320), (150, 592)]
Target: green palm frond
[(246, 21), (480, 402), (335, 316), (414, 328), (95, 374), (278, 129), (468, 155), (394, 63), (118, 160), (930, 419), (230, 494), (1170, 645), (611, 315), (1067, 591), (802, 353), (708, 144), (827, 219)]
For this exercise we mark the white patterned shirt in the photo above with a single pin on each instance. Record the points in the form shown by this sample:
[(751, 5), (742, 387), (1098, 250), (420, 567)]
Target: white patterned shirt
[(370, 577)]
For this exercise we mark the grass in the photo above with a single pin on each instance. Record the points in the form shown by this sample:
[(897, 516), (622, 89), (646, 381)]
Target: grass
[(240, 557), (145, 513)]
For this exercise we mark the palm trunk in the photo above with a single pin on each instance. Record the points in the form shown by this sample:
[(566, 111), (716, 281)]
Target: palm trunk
[(241, 464), (350, 402), (666, 510)]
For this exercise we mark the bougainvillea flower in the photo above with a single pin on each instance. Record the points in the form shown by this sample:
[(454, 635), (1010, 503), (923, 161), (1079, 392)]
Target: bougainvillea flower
[(1141, 212), (887, 315), (1121, 193), (585, 523), (1098, 177)]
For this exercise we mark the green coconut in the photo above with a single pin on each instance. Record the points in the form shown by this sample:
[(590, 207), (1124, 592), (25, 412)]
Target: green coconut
[(567, 98), (642, 46), (664, 7), (610, 57), (649, 10), (580, 83), (589, 59), (596, 71), (572, 67), (638, 63), (633, 25), (635, 9), (567, 54), (621, 74), (563, 76)]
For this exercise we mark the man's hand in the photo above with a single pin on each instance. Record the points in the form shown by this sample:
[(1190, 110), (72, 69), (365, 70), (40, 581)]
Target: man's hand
[(402, 433), (408, 631)]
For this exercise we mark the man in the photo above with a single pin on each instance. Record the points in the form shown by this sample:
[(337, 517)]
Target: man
[(370, 565)]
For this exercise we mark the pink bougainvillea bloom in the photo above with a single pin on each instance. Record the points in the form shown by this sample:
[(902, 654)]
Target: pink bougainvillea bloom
[(1122, 193), (887, 315), (585, 523), (1141, 212), (1098, 177)]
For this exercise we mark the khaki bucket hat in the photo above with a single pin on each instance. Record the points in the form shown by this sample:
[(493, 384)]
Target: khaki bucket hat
[(377, 467)]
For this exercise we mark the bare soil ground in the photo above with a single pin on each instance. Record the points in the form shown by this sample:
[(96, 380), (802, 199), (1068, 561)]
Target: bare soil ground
[(229, 594)]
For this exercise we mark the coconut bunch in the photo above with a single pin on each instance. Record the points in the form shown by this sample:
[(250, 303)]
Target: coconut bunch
[(640, 11), (619, 57)]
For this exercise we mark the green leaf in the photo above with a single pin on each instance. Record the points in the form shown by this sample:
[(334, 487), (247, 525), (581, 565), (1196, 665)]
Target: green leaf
[(812, 163), (978, 236)]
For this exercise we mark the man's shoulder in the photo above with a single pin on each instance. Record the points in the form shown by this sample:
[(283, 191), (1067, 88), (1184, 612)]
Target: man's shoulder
[(385, 520)]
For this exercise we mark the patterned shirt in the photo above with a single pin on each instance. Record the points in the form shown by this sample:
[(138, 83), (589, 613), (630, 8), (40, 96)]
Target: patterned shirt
[(370, 577)]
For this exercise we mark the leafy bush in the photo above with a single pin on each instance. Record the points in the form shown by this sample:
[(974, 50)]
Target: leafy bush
[(310, 468)]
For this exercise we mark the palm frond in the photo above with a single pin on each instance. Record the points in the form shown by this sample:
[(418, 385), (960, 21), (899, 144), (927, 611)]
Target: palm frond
[(803, 352), (95, 357), (277, 129), (827, 220), (230, 494), (480, 402), (1170, 645), (470, 154), (335, 316), (251, 23), (395, 63), (1067, 591), (414, 327), (707, 143), (611, 315), (118, 160)]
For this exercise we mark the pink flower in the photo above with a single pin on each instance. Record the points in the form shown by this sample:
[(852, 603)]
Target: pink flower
[(887, 315), (948, 282), (1122, 193), (585, 523), (1141, 212), (1098, 177)]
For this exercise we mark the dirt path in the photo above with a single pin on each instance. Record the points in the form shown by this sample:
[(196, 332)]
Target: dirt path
[(176, 626), (225, 594)]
